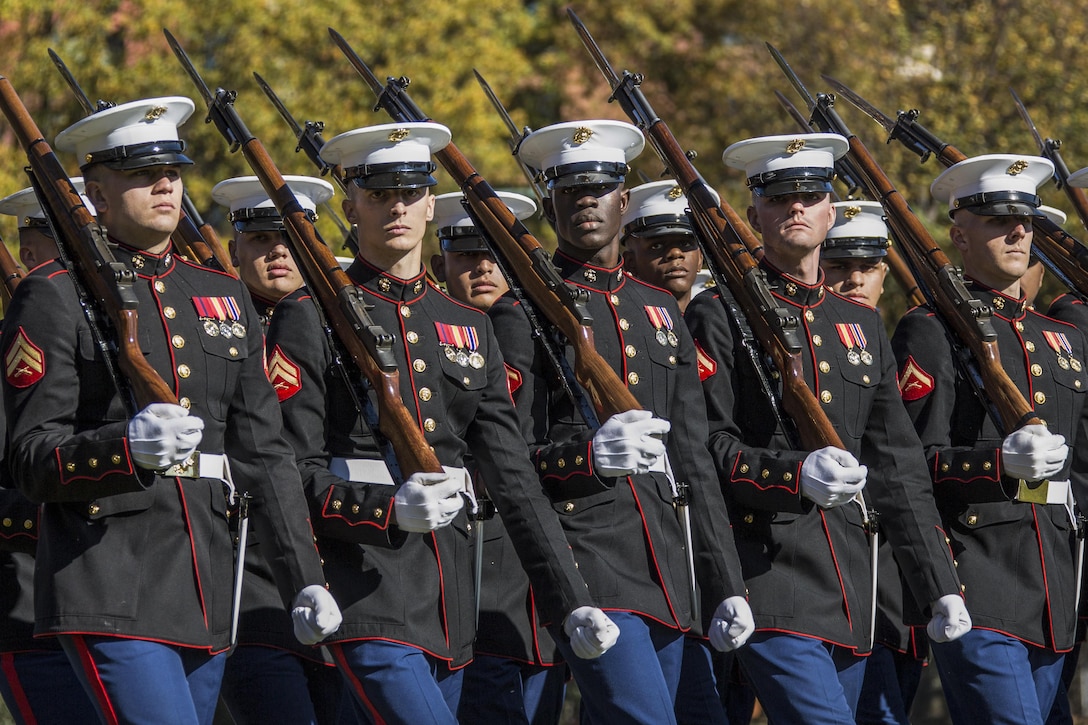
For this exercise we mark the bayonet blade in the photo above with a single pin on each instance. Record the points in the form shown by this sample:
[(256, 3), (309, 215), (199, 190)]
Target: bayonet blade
[(205, 92), (792, 110), (84, 101), (1027, 119), (357, 62), (295, 128), (793, 79), (594, 50), (515, 135), (864, 106)]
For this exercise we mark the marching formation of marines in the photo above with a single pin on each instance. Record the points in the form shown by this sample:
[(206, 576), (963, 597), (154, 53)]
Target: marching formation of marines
[(676, 467)]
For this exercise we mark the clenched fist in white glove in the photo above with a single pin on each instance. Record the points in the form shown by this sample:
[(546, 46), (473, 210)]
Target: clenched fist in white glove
[(591, 632), (315, 614), (1033, 453), (831, 476), (628, 443), (732, 624), (162, 435), (950, 619), (429, 501)]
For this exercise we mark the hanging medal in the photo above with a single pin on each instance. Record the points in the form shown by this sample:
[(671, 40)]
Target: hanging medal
[(220, 316), (460, 344), (663, 324), (1059, 343), (851, 335)]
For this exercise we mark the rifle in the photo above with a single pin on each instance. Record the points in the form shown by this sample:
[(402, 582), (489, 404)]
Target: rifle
[(731, 246), (368, 345), (310, 142), (193, 237), (562, 303), (1064, 256), (845, 172), (84, 243), (13, 273), (1049, 148), (966, 316)]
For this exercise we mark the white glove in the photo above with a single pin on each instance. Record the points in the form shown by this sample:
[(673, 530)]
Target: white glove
[(1033, 453), (162, 435), (950, 619), (591, 632), (429, 501), (732, 624), (629, 442), (831, 476), (315, 614)]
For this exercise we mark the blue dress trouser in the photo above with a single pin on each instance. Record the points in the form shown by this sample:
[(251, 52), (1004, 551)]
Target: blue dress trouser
[(891, 682), (991, 678), (41, 686), (136, 681), (697, 699), (802, 679), (399, 684), (502, 691), (633, 682)]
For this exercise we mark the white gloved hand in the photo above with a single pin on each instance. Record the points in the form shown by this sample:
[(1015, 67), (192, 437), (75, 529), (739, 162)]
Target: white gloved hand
[(429, 501), (163, 434), (950, 619), (831, 476), (315, 614), (1033, 453), (732, 624), (628, 443), (591, 632)]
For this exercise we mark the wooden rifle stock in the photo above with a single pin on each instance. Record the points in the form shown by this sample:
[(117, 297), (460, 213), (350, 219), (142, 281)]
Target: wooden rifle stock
[(528, 260), (13, 273), (968, 319), (109, 282), (733, 248), (366, 343)]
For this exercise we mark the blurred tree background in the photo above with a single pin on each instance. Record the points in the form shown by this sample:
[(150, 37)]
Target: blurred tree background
[(707, 73)]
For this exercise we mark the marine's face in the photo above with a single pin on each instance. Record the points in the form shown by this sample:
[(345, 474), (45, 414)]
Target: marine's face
[(141, 207), (472, 278), (792, 224), (670, 261), (996, 250), (587, 218), (389, 220), (265, 264), (858, 278)]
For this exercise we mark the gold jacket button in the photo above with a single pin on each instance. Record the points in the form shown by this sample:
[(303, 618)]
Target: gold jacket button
[(185, 403), (966, 466), (336, 504), (826, 396), (28, 524), (764, 473), (787, 476), (825, 366), (70, 467), (817, 340), (115, 459), (749, 518), (177, 341), (355, 508), (579, 460), (184, 371), (169, 312), (1040, 397), (92, 462), (568, 506), (972, 520), (7, 523), (378, 513), (624, 324), (411, 337), (93, 509), (632, 378), (629, 351), (424, 394), (419, 365), (429, 425), (406, 311), (160, 287), (562, 463), (743, 468)]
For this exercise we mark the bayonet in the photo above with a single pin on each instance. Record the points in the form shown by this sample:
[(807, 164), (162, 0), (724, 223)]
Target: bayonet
[(84, 101), (516, 137), (308, 136)]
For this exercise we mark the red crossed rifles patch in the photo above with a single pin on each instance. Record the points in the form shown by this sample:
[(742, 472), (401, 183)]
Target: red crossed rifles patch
[(914, 382), (24, 362), (285, 376)]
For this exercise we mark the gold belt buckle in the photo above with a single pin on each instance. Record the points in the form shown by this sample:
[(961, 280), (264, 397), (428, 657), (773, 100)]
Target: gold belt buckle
[(1032, 491), (189, 468)]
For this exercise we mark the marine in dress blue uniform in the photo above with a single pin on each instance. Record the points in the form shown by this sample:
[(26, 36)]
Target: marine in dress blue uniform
[(1005, 499), (517, 673), (852, 259), (660, 248), (619, 517), (800, 534), (398, 554), (37, 682), (135, 556), (271, 676)]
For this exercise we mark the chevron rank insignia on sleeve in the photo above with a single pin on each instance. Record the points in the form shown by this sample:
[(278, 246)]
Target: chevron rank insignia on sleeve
[(24, 362)]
